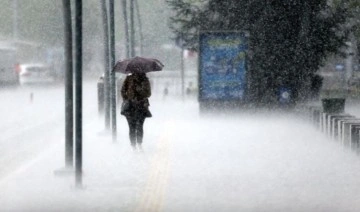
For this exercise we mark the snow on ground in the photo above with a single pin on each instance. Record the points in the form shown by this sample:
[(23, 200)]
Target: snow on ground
[(191, 162)]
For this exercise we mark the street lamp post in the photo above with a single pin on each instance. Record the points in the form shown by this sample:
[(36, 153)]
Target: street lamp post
[(15, 19), (69, 101), (106, 64), (78, 93), (132, 30), (126, 28), (112, 74), (182, 72), (140, 27)]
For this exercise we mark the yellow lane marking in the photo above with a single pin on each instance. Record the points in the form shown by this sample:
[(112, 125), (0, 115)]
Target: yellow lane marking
[(152, 198)]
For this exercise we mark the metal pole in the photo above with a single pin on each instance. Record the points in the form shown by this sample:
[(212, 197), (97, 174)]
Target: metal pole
[(69, 99), (112, 63), (132, 29), (15, 19), (78, 92), (182, 72), (106, 64), (126, 28), (140, 27)]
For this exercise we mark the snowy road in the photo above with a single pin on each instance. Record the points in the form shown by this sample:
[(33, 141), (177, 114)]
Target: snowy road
[(238, 162)]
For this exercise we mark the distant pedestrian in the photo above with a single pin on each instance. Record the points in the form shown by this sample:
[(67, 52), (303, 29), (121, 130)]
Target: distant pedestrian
[(190, 89), (316, 84), (166, 91), (135, 92)]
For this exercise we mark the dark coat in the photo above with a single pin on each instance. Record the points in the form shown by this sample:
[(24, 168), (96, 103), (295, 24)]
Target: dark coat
[(136, 89)]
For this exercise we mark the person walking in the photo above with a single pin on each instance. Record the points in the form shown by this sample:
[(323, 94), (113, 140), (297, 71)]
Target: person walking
[(135, 92)]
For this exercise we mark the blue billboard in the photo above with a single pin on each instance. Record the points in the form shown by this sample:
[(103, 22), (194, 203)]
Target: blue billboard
[(222, 67)]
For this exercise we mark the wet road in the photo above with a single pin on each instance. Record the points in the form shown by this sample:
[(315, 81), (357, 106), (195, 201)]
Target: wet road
[(221, 162)]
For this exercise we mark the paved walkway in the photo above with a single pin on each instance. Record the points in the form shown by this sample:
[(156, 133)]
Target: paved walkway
[(239, 162)]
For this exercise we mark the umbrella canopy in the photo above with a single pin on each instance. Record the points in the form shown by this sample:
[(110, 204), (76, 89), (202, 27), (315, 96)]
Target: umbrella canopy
[(138, 65)]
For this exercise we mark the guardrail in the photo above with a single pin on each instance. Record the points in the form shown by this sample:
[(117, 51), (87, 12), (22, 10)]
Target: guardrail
[(341, 127)]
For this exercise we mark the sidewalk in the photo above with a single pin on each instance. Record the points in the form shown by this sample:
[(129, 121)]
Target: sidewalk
[(257, 162), (115, 178), (109, 179)]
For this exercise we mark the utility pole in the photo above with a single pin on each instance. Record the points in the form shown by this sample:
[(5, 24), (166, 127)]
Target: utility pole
[(69, 99), (182, 72), (181, 43), (132, 29), (126, 28), (15, 19), (78, 93), (140, 27), (112, 74), (106, 64)]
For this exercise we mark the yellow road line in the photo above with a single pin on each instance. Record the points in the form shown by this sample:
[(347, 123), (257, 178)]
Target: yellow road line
[(152, 198)]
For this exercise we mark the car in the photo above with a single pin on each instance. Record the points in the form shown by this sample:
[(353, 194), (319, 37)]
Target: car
[(35, 73)]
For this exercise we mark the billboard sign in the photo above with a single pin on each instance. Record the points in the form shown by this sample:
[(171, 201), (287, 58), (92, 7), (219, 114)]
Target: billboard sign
[(222, 67)]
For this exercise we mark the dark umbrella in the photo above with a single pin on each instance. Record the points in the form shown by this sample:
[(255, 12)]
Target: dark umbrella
[(138, 65)]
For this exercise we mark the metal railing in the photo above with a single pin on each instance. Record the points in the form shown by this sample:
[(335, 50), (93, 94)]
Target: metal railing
[(343, 128)]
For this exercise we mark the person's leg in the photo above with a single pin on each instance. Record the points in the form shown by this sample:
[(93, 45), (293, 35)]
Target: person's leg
[(132, 130), (140, 130)]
